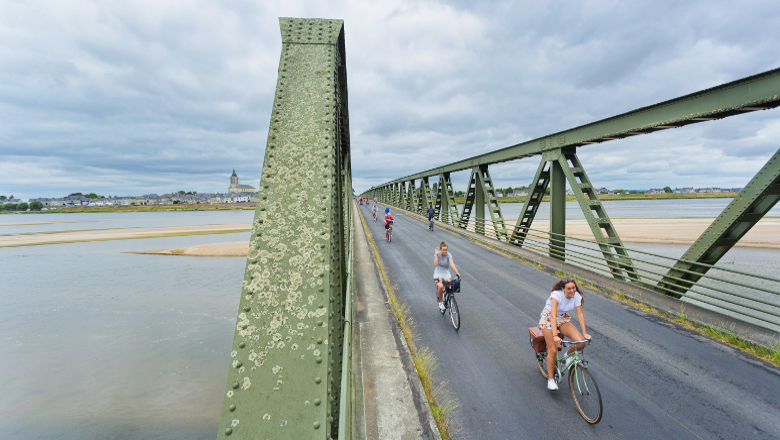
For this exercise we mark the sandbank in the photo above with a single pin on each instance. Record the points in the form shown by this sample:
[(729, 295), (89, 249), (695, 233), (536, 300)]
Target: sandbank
[(231, 249), (119, 234)]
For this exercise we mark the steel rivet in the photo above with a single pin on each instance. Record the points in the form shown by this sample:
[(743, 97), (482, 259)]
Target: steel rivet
[(317, 402), (316, 425), (228, 431), (242, 344), (319, 340), (247, 308), (243, 326), (238, 364), (232, 407), (235, 385), (319, 360), (316, 380)]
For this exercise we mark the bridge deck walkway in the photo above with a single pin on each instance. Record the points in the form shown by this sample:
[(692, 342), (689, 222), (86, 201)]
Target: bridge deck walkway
[(657, 380)]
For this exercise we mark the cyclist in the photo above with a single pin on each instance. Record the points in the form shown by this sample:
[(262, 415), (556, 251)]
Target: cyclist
[(564, 298), (388, 223), (387, 210), (442, 260), (431, 213), (373, 210)]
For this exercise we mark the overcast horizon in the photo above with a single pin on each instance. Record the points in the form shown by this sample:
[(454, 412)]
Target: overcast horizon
[(131, 98)]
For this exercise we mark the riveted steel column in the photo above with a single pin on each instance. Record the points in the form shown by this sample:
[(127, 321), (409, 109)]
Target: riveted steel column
[(557, 206), (404, 195), (286, 359)]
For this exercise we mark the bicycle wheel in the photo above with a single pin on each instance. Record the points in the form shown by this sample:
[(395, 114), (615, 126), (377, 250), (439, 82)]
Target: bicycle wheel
[(585, 393), (541, 362), (454, 313)]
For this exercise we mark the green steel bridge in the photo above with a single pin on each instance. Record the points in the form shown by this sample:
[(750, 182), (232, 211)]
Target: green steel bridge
[(290, 372)]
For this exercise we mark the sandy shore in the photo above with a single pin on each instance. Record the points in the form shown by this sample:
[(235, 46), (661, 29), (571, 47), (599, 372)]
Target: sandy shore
[(119, 234), (766, 234)]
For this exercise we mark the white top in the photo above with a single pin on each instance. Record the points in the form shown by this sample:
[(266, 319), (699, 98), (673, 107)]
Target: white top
[(442, 270), (564, 305)]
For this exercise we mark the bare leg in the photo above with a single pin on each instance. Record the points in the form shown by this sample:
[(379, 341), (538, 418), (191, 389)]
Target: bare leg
[(439, 287), (552, 352), (570, 331)]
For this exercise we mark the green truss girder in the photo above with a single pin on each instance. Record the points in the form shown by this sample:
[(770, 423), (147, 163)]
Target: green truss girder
[(485, 183), (480, 192), (411, 201), (620, 264), (285, 371), (565, 161), (536, 193), (750, 205), (448, 209), (757, 92), (425, 190), (470, 201)]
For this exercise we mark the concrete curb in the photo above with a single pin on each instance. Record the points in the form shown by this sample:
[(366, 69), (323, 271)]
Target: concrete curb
[(666, 304)]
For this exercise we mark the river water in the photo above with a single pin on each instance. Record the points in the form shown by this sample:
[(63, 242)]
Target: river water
[(99, 343)]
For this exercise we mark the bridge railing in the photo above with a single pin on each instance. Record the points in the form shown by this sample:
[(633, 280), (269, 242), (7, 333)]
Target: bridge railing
[(745, 296)]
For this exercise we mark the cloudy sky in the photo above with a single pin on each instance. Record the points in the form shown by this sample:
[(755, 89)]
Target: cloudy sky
[(134, 97)]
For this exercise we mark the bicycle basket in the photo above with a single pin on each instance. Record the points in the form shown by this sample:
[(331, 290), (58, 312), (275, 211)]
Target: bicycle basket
[(456, 285)]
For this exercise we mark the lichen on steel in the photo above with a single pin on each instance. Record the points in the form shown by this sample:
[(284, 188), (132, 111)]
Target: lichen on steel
[(274, 386)]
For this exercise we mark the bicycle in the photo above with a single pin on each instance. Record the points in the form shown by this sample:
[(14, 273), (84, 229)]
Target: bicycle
[(374, 213), (389, 231), (430, 224), (583, 387), (448, 299)]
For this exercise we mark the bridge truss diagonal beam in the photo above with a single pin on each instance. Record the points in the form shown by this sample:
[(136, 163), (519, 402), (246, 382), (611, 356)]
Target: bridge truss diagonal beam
[(290, 355), (750, 205)]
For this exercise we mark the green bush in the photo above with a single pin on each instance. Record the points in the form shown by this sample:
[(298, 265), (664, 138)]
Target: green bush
[(35, 205), (22, 206), (10, 207)]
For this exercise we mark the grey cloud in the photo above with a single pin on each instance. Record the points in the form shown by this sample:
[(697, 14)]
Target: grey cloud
[(174, 96)]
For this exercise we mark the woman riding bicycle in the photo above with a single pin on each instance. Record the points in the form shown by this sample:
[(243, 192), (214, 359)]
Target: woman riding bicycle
[(442, 260), (564, 298)]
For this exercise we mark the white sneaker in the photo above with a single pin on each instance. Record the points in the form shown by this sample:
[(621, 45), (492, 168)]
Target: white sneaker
[(551, 385), (568, 361), (441, 306)]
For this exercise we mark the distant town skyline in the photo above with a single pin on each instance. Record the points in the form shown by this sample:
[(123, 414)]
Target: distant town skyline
[(137, 98)]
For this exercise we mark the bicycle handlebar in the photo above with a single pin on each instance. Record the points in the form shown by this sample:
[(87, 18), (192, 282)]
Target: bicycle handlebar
[(568, 343)]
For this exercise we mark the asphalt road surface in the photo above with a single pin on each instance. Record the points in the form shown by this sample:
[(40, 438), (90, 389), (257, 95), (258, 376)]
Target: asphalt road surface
[(657, 380)]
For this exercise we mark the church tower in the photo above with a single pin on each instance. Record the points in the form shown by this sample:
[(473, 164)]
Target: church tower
[(235, 188)]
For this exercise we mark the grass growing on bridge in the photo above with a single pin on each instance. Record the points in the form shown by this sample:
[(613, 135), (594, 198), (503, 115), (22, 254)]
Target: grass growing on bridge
[(440, 399)]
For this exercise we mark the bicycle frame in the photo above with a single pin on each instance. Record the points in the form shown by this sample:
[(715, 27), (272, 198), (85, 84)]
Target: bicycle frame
[(575, 356)]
